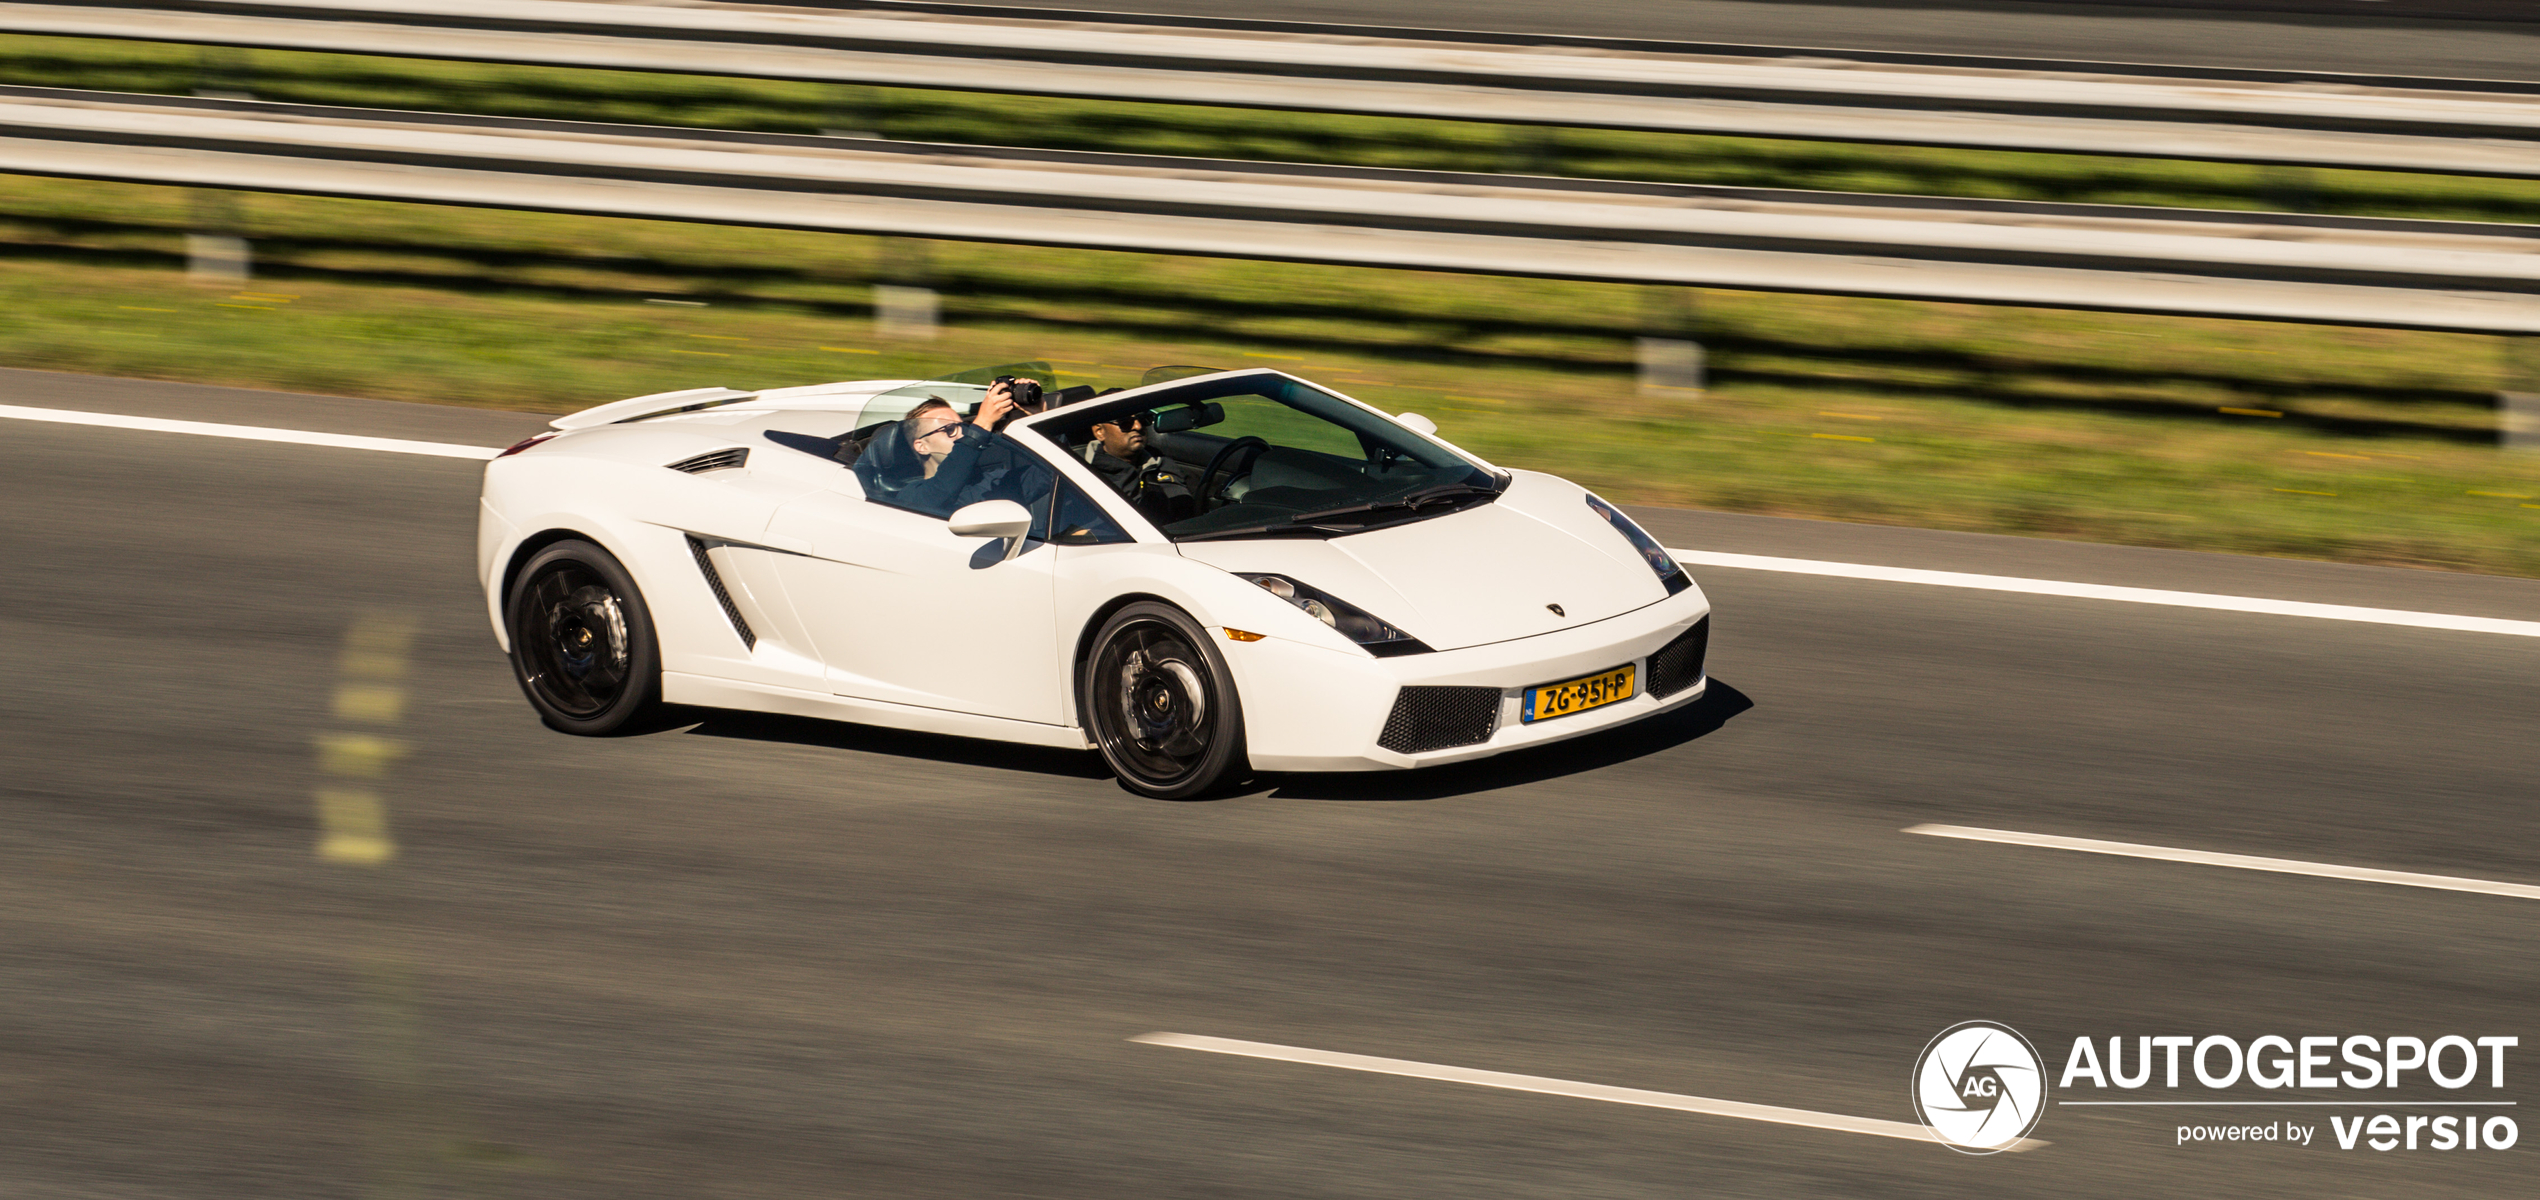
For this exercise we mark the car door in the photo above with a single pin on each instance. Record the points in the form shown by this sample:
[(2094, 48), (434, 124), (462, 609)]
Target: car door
[(903, 611)]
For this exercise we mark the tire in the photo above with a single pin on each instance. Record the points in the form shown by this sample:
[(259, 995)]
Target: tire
[(582, 640), (1161, 705)]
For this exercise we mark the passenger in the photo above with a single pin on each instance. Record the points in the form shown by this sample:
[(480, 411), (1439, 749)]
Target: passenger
[(907, 452), (962, 464)]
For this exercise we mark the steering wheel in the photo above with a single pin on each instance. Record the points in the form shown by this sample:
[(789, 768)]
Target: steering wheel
[(1223, 457)]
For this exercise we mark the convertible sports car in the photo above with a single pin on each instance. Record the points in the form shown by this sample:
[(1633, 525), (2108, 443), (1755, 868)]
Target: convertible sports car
[(1209, 571)]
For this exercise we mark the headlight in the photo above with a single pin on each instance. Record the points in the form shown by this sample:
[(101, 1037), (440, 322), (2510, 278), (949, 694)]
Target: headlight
[(1660, 562), (1353, 622)]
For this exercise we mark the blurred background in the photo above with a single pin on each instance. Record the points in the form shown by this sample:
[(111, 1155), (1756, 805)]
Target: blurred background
[(2309, 440)]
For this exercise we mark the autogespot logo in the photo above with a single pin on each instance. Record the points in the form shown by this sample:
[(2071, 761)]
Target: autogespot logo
[(1979, 1087)]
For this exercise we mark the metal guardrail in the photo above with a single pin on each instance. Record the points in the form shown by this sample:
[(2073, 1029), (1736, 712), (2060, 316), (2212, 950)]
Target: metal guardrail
[(2407, 274), (2484, 129)]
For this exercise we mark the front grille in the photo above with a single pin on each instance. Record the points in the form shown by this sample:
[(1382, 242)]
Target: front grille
[(1434, 718), (714, 580), (1678, 664), (712, 460)]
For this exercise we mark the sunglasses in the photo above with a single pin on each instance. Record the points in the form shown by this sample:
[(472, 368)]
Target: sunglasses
[(951, 430), (1130, 420)]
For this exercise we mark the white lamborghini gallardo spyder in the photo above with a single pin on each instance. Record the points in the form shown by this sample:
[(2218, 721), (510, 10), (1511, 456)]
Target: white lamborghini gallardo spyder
[(1208, 572)]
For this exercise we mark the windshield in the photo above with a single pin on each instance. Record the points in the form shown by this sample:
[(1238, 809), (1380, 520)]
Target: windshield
[(1264, 455)]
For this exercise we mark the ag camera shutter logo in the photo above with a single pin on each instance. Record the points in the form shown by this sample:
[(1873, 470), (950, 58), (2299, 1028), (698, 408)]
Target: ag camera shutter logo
[(1979, 1087)]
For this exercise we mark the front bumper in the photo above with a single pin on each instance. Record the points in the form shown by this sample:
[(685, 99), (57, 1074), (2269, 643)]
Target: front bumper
[(1307, 708)]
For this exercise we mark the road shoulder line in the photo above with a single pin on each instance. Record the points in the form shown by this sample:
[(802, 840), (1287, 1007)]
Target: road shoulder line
[(2101, 591), (253, 433), (1708, 558)]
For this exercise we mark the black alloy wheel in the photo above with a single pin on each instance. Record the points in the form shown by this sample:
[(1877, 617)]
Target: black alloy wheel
[(1161, 705), (582, 640)]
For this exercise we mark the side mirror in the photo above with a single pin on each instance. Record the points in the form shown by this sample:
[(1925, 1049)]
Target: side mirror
[(993, 519), (1417, 424)]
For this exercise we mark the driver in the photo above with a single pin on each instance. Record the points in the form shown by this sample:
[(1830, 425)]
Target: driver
[(1119, 453)]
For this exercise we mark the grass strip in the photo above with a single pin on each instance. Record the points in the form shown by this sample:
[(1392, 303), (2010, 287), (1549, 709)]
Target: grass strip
[(2085, 426)]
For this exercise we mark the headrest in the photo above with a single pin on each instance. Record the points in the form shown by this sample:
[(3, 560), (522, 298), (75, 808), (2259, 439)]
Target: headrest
[(889, 462)]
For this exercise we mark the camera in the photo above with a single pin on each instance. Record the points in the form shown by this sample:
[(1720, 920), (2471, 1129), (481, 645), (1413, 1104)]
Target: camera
[(1026, 392)]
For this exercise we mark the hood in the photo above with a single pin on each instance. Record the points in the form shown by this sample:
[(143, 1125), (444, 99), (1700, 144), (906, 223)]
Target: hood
[(1486, 574)]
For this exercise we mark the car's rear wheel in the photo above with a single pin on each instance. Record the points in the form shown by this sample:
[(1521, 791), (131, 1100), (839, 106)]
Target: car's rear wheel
[(582, 640), (1161, 705)]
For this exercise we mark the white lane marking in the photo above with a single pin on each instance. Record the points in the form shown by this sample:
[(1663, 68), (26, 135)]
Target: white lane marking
[(253, 433), (2283, 866), (2099, 591), (1553, 1087)]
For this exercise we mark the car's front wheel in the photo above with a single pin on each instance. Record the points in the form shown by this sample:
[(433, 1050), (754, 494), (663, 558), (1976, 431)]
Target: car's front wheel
[(582, 640), (1161, 705)]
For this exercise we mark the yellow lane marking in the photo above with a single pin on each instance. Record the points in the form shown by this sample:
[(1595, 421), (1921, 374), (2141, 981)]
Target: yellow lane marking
[(354, 827), (1852, 416), (1841, 437), (139, 308), (2326, 454), (357, 755), (248, 307), (370, 703), (1288, 357), (2250, 412), (352, 819), (850, 350), (2500, 495)]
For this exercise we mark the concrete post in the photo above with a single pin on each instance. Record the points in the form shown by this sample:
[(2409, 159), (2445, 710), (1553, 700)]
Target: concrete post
[(2518, 400), (905, 307), (215, 254), (856, 112), (1671, 362)]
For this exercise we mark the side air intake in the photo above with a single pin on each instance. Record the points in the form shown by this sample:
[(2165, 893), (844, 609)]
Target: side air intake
[(1427, 717), (713, 460), (714, 580), (1678, 664)]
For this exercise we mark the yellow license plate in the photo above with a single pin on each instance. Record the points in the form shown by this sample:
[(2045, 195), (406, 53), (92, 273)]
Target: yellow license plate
[(1546, 701)]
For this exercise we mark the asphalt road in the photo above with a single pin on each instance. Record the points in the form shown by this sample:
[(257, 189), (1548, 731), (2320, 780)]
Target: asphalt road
[(772, 958), (2367, 38)]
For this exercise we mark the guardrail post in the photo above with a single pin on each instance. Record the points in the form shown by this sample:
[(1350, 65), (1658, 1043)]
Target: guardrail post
[(855, 112), (1530, 150), (215, 253), (905, 307), (2518, 399), (1671, 362), (2287, 188)]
